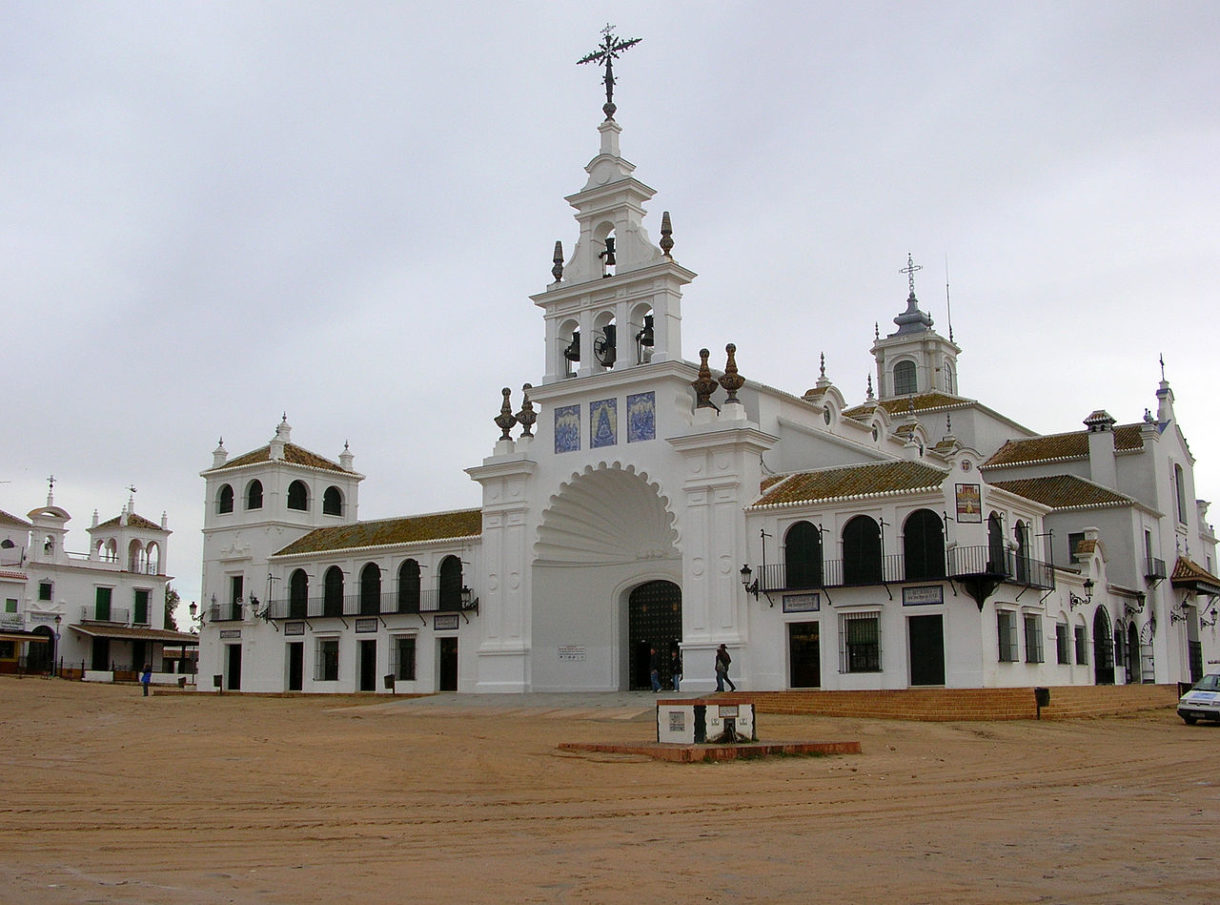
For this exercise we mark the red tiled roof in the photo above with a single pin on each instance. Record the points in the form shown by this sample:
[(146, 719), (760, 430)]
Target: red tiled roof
[(15, 576), (1064, 491), (293, 455), (122, 632), (1074, 445), (1190, 575), (854, 481), (901, 404), (385, 532)]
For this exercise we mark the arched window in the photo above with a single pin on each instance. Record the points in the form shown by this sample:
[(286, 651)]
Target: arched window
[(332, 601), (861, 551), (224, 499), (254, 495), (1103, 648), (923, 545), (332, 501), (803, 556), (111, 551), (135, 557), (298, 496), (408, 587), (450, 584), (904, 378), (1021, 534), (370, 590), (995, 545), (1179, 485), (298, 595), (152, 556)]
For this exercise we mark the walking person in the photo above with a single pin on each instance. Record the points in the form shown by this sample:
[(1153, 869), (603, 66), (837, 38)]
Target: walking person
[(146, 677), (654, 669), (675, 667), (722, 669)]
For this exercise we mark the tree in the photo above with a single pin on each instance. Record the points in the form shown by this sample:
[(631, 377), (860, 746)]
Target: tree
[(171, 604)]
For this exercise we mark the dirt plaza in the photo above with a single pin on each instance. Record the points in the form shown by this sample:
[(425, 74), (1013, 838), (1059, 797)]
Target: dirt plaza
[(110, 797)]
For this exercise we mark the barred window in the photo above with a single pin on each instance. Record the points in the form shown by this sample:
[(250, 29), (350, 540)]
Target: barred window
[(860, 640), (1033, 638), (402, 656), (1082, 646), (1006, 623), (1063, 646), (328, 660)]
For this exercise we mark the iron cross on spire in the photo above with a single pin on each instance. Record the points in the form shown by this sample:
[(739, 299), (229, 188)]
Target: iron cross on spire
[(910, 270), (606, 54)]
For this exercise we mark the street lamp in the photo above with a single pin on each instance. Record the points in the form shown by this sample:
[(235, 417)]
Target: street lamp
[(55, 656)]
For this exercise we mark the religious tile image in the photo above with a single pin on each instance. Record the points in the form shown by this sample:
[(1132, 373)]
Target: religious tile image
[(603, 423), (567, 428), (641, 417)]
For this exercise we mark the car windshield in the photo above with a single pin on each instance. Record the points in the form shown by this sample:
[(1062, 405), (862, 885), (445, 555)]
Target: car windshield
[(1208, 683)]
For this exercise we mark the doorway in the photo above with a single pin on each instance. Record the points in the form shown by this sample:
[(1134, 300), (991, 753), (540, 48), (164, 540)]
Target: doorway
[(804, 655), (448, 662), (296, 666), (101, 654), (926, 639), (368, 665), (654, 620), (233, 667)]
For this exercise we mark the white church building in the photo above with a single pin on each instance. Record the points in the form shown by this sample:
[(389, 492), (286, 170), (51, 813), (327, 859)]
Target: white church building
[(638, 500)]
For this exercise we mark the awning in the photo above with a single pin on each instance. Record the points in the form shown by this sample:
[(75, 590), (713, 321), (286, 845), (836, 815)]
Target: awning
[(1190, 576), (123, 633), (24, 636)]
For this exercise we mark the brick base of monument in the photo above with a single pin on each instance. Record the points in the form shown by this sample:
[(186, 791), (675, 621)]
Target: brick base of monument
[(689, 754)]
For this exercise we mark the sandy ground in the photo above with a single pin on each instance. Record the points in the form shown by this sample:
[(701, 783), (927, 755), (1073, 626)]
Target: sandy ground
[(114, 798)]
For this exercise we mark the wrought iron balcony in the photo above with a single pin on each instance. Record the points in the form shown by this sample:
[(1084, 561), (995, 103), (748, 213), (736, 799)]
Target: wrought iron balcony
[(895, 568), (111, 614), (1155, 570), (411, 603)]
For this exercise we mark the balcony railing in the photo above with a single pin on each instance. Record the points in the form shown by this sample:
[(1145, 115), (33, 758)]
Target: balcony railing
[(1155, 570), (960, 562), (226, 612), (425, 601), (97, 613)]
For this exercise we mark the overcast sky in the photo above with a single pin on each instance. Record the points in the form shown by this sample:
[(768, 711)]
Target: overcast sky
[(215, 212)]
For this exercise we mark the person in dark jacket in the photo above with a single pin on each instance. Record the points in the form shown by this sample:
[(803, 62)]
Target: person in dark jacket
[(722, 669), (654, 669)]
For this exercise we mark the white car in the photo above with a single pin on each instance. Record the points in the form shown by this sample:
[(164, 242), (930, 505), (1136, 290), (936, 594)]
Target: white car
[(1202, 702)]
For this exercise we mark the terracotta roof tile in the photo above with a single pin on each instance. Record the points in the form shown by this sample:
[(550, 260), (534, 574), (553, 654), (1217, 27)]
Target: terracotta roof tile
[(1074, 445), (901, 404), (1064, 492), (385, 532), (134, 520), (293, 455), (855, 481), (1189, 574)]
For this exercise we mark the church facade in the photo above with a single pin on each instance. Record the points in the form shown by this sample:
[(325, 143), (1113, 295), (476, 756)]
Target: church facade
[(637, 501)]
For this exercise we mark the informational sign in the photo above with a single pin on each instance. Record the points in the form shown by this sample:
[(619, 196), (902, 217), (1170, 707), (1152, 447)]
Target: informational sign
[(366, 625), (677, 721), (294, 628), (802, 603), (445, 622), (226, 633), (572, 653), (969, 503), (922, 595)]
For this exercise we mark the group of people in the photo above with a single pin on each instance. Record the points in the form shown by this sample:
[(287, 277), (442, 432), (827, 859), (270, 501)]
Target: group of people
[(675, 668)]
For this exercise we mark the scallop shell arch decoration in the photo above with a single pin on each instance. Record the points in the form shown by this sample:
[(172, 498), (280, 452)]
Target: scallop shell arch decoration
[(607, 514)]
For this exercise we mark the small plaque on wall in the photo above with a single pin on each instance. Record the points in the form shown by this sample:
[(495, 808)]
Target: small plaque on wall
[(923, 595), (366, 625), (294, 628), (802, 603), (445, 622), (230, 633)]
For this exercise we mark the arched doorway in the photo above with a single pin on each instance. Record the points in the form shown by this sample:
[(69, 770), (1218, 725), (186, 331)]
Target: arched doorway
[(654, 620), (1133, 655), (1103, 648), (606, 535), (41, 654)]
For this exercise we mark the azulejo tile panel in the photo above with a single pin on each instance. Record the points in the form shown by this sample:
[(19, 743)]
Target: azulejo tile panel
[(603, 423), (567, 428), (641, 417)]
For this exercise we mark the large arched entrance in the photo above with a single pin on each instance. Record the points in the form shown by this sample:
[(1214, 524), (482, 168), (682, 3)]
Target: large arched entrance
[(654, 622), (606, 569)]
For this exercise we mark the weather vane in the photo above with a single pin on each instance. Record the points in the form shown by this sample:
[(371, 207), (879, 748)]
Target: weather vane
[(607, 53), (910, 270)]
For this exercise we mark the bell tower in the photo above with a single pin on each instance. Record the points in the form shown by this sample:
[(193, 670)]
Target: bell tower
[(615, 303), (915, 359)]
